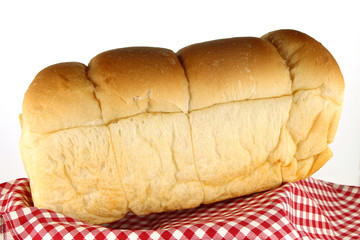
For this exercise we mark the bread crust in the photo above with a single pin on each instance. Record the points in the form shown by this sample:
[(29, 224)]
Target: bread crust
[(310, 64), (233, 69), (137, 80), (60, 97)]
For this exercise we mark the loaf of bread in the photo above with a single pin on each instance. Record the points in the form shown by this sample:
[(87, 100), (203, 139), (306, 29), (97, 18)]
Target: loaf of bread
[(147, 130)]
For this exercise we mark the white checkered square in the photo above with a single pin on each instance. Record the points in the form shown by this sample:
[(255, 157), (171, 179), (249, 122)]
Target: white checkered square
[(38, 227), (59, 228), (222, 231), (33, 219), (69, 236), (111, 236), (155, 236), (246, 231), (20, 229), (47, 237), (133, 236), (177, 234), (199, 233), (13, 215), (89, 237)]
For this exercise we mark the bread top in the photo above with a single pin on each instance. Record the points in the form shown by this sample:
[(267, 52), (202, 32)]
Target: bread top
[(128, 81), (60, 97), (310, 64), (134, 80), (234, 69)]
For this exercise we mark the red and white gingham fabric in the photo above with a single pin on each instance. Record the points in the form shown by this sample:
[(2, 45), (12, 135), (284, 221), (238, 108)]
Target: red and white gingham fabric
[(308, 209)]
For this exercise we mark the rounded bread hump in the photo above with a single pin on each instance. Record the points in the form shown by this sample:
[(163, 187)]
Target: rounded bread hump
[(310, 64), (60, 97), (233, 69), (134, 80)]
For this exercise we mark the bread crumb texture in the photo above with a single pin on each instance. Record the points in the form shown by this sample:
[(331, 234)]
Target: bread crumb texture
[(148, 130)]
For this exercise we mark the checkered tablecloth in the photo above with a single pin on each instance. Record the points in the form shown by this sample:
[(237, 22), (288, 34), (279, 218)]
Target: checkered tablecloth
[(308, 209)]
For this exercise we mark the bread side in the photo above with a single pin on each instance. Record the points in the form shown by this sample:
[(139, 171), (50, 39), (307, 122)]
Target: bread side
[(232, 144), (155, 161), (74, 172), (318, 91)]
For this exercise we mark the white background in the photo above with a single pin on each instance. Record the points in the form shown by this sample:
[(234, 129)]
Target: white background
[(34, 35)]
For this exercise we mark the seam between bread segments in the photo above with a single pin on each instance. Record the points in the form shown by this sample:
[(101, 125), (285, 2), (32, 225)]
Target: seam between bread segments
[(138, 114), (286, 62), (290, 67), (190, 130), (111, 140)]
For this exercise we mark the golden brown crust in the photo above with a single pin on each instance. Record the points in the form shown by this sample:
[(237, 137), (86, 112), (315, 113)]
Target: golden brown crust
[(139, 79), (233, 69), (60, 97), (310, 63)]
